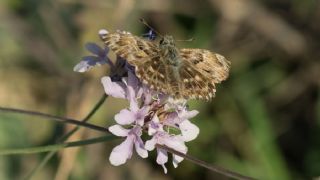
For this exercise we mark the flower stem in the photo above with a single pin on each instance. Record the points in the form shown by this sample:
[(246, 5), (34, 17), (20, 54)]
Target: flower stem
[(56, 147), (214, 168), (55, 118), (91, 113)]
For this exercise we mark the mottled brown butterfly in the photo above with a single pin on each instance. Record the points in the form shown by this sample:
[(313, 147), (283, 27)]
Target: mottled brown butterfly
[(181, 73)]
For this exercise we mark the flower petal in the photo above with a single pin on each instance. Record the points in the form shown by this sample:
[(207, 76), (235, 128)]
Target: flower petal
[(154, 126), (188, 114), (189, 131), (125, 117), (164, 168), (88, 62), (93, 60), (140, 148), (122, 152), (134, 106), (119, 130), (114, 89), (162, 158), (147, 94), (133, 89), (94, 48), (176, 143), (141, 114), (133, 85), (176, 160), (133, 82), (82, 66), (150, 144)]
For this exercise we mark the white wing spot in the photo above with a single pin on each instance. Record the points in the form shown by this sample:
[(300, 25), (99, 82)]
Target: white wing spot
[(162, 76), (197, 78), (151, 69)]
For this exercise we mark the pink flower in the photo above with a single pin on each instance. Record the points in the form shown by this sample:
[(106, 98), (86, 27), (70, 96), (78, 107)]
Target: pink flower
[(134, 116), (122, 152), (129, 88), (142, 114), (180, 120), (159, 136)]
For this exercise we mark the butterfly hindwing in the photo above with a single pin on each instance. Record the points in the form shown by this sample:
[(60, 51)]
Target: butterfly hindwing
[(209, 63), (195, 84)]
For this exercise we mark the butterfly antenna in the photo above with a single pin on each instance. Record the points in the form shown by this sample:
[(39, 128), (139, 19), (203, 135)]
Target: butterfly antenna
[(188, 40), (146, 24)]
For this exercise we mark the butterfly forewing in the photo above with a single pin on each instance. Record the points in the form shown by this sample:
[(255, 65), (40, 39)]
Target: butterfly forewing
[(129, 47)]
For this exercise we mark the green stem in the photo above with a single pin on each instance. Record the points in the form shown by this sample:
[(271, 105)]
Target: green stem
[(206, 165), (56, 147), (55, 118), (91, 113)]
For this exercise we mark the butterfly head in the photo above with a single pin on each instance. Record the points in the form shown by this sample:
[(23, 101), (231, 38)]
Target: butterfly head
[(169, 50), (167, 41)]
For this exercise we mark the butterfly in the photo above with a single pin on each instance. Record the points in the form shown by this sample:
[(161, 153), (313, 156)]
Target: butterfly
[(180, 73)]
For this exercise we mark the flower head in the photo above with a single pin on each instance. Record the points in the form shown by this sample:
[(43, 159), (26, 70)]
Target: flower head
[(151, 112)]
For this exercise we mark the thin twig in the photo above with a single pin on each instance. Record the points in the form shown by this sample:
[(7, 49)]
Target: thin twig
[(56, 147), (55, 118), (90, 114), (95, 108), (214, 168)]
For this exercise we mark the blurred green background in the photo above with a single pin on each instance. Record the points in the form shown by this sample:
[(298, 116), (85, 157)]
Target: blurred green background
[(264, 121)]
